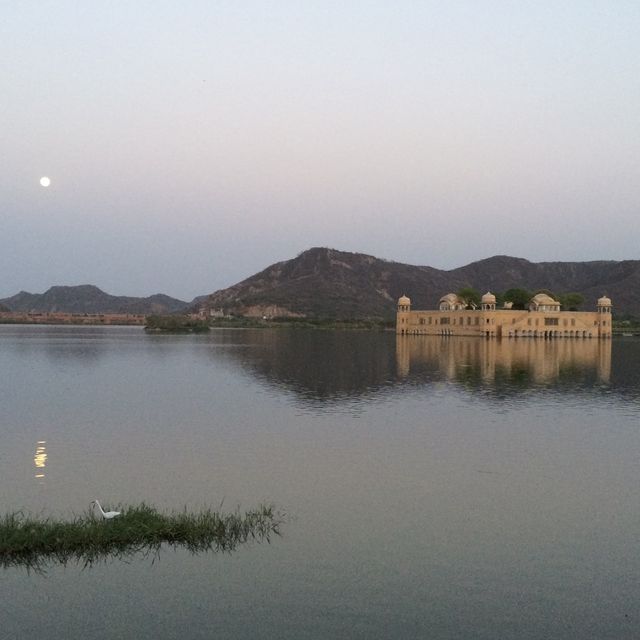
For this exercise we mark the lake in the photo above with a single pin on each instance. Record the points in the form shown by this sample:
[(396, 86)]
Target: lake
[(434, 487)]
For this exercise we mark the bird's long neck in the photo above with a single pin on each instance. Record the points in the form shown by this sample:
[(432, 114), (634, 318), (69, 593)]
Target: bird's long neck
[(100, 508)]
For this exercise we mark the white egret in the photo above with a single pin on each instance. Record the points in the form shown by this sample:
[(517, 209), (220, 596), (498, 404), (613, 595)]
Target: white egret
[(106, 515)]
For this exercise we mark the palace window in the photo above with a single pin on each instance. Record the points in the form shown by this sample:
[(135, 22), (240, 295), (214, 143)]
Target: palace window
[(444, 320), (553, 322)]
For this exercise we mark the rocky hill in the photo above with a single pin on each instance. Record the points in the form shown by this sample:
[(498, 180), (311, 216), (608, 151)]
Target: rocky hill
[(89, 299), (324, 282)]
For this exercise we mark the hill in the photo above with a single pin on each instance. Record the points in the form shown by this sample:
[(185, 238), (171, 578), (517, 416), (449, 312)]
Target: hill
[(328, 283), (89, 299)]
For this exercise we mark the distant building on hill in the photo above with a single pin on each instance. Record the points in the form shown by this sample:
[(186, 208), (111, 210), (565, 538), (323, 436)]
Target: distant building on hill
[(542, 319)]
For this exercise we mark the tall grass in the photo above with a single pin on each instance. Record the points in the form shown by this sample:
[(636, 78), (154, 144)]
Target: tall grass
[(37, 543)]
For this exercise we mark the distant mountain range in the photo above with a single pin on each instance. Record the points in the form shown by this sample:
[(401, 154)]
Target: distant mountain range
[(324, 282), (87, 298), (328, 283)]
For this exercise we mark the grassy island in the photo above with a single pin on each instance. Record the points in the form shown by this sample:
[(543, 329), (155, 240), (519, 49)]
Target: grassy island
[(175, 324), (35, 543)]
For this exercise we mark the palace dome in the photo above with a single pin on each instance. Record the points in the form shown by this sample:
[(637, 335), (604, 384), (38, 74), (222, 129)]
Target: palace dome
[(404, 300), (604, 301), (488, 298), (543, 298), (451, 298)]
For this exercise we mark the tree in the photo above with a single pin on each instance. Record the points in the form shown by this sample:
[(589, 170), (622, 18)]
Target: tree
[(519, 297), (470, 297), (175, 324), (571, 301)]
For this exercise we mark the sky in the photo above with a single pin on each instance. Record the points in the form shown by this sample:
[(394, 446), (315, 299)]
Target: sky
[(190, 145)]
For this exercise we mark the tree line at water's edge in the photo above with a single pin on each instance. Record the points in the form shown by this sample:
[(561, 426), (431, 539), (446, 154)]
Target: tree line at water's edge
[(190, 324), (175, 324)]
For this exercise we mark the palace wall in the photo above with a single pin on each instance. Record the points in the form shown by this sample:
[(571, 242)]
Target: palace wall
[(505, 323)]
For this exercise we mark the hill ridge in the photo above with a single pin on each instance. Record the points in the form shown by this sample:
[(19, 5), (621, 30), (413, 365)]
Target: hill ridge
[(88, 298), (330, 283), (326, 282)]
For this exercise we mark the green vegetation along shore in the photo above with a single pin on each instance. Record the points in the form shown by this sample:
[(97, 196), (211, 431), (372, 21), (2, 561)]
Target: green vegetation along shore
[(187, 324), (37, 543), (175, 324), (301, 323)]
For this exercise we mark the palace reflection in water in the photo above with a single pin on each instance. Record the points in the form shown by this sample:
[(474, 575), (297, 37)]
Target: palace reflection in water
[(529, 361), (331, 367)]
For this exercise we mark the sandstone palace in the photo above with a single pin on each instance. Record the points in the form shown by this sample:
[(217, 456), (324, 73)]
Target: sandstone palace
[(542, 319)]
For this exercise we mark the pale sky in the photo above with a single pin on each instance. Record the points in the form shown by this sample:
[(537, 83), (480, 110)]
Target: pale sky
[(192, 144)]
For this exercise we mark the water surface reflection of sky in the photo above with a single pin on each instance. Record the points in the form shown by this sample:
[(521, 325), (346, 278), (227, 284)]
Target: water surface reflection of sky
[(324, 371), (438, 487)]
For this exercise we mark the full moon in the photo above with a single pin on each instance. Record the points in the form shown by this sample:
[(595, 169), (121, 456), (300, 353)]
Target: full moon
[(44, 181)]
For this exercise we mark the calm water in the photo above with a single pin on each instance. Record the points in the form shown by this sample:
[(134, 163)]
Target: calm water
[(437, 488)]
